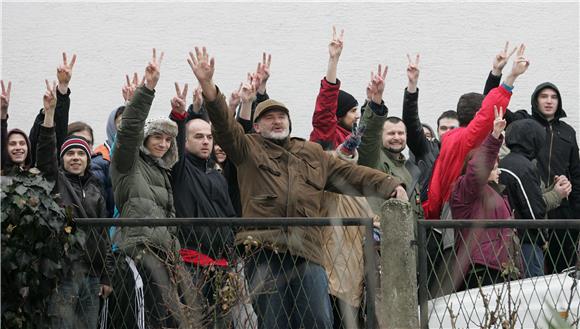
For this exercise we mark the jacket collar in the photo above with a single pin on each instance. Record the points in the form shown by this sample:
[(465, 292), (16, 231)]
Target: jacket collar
[(398, 159)]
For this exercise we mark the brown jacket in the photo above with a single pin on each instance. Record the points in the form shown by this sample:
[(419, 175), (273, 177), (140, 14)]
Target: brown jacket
[(288, 181)]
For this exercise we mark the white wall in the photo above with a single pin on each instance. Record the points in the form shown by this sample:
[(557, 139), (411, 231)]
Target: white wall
[(457, 42)]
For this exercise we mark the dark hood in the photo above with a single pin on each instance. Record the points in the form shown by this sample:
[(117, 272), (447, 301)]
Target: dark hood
[(28, 160), (526, 137), (536, 112)]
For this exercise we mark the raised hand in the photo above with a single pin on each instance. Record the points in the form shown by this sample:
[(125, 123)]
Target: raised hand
[(202, 66), (152, 71), (178, 102), (501, 59), (49, 102), (64, 73), (197, 99), (235, 99), (377, 84), (249, 89), (499, 123), (5, 99), (129, 89), (263, 72), (413, 73), (520, 66), (336, 44)]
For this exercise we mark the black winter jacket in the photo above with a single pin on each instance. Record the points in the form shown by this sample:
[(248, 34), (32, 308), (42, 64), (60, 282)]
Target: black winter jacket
[(83, 194), (560, 156), (524, 138), (200, 191), (423, 152), (61, 114)]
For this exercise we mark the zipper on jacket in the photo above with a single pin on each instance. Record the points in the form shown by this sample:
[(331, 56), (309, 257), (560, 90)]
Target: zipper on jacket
[(550, 153)]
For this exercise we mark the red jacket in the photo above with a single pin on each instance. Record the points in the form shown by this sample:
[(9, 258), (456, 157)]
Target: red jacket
[(324, 121), (454, 148)]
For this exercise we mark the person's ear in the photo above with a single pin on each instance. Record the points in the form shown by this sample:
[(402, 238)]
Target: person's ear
[(256, 128)]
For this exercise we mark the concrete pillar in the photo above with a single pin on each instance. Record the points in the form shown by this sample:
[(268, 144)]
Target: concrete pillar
[(398, 306)]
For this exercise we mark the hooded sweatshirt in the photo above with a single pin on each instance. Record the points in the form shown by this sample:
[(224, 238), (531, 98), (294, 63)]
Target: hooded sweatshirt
[(525, 138), (560, 156)]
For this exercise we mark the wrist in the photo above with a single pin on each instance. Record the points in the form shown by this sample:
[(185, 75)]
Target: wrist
[(377, 99), (412, 87), (496, 72), (63, 88), (262, 89), (509, 80)]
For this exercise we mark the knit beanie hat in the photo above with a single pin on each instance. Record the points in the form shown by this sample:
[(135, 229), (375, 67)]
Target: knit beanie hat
[(467, 106), (76, 142), (345, 102)]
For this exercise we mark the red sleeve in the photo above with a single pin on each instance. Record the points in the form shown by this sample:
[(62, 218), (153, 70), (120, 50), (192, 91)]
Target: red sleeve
[(482, 124), (324, 121)]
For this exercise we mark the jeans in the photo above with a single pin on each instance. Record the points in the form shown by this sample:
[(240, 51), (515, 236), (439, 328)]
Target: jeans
[(75, 303), (533, 260), (288, 291)]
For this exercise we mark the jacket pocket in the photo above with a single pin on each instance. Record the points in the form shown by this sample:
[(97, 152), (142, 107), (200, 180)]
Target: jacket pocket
[(270, 170)]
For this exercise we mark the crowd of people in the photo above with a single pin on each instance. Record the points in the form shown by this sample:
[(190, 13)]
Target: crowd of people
[(236, 158)]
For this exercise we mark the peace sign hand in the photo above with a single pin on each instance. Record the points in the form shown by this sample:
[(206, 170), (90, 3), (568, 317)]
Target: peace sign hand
[(413, 73), (499, 123), (178, 102), (152, 71), (64, 73), (49, 98), (235, 99), (377, 84), (129, 89), (521, 63), (336, 44), (5, 99), (501, 59), (263, 72)]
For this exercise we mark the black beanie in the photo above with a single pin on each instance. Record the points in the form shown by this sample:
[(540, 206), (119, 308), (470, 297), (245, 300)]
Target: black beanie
[(345, 103), (467, 106)]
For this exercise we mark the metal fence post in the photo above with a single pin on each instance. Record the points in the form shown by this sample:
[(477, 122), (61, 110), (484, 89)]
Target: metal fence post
[(371, 278), (423, 275)]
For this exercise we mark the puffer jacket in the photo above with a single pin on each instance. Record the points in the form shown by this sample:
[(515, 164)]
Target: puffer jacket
[(83, 194), (525, 138), (326, 129), (372, 154), (288, 180), (474, 198), (454, 147), (141, 183)]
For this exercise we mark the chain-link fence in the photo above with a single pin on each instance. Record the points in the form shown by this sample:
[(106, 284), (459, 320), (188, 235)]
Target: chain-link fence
[(237, 272), (499, 274)]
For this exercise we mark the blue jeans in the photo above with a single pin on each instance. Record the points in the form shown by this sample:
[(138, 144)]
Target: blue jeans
[(288, 291), (75, 303), (533, 260)]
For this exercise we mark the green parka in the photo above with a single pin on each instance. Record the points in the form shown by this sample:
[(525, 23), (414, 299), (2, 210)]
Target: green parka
[(372, 154), (140, 182)]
